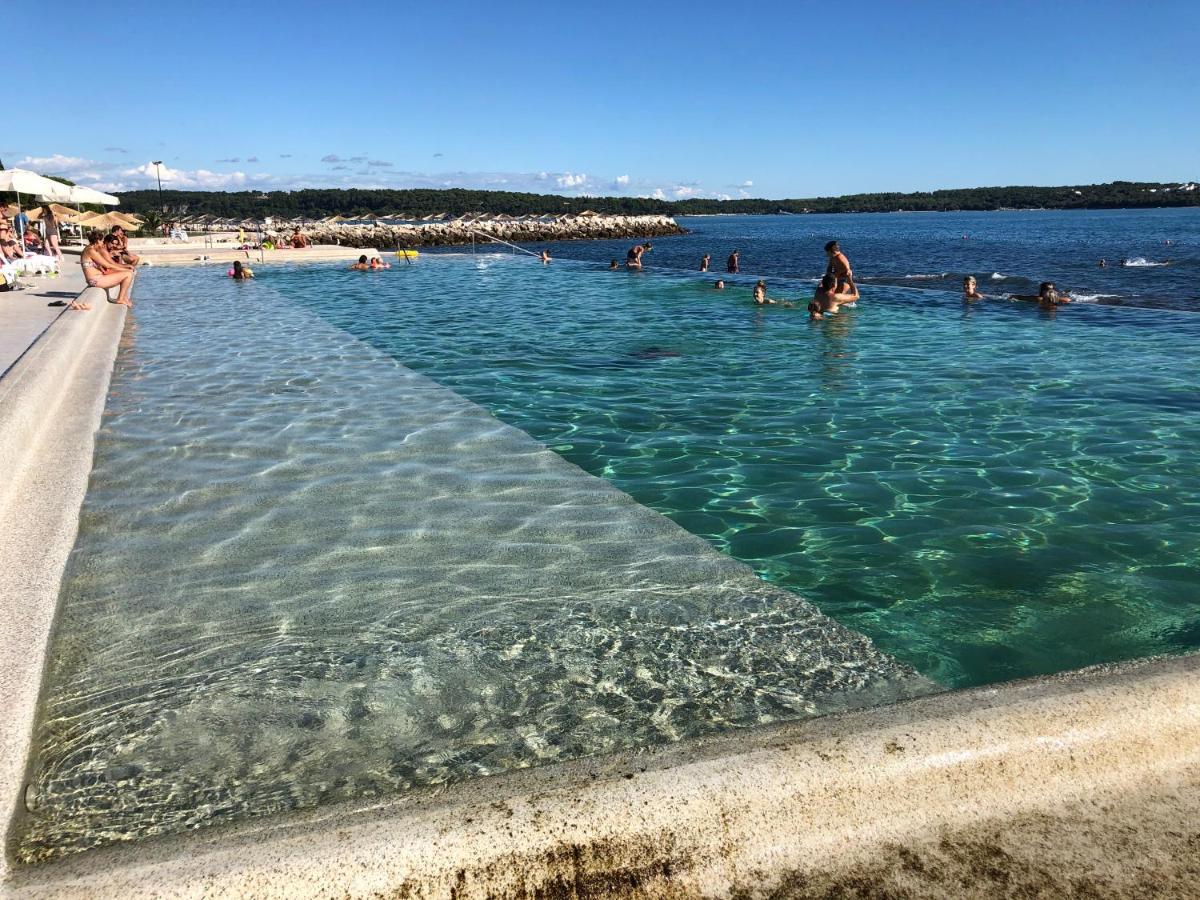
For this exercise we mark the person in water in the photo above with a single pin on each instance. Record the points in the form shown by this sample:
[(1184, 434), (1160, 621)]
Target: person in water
[(377, 263), (839, 268), (633, 259), (761, 298), (361, 265), (614, 265), (1104, 263), (731, 264), (1047, 296), (971, 289), (814, 310), (829, 298), (719, 284), (240, 272), (704, 261), (545, 257)]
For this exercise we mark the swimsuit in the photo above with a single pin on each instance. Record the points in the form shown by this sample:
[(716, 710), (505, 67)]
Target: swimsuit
[(88, 264)]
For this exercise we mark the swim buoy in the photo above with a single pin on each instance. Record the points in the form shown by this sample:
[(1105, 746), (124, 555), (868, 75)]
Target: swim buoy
[(407, 254)]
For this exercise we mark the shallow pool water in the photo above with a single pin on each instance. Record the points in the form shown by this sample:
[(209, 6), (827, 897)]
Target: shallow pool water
[(305, 573)]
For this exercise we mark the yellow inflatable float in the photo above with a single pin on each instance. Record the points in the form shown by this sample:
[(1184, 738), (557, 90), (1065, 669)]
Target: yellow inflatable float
[(407, 254)]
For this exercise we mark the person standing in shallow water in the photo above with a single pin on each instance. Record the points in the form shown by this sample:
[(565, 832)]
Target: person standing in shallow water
[(704, 261), (633, 259), (971, 289), (731, 264)]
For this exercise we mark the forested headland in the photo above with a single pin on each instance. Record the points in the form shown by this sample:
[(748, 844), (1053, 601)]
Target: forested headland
[(316, 203)]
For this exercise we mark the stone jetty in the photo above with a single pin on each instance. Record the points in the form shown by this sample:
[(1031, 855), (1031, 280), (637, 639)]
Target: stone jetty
[(385, 235)]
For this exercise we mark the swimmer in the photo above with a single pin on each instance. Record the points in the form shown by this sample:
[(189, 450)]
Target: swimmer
[(761, 298), (719, 284), (829, 299), (839, 267), (814, 310), (545, 257), (1104, 263), (970, 289), (1046, 296), (613, 266), (240, 272), (731, 264), (704, 261), (361, 265)]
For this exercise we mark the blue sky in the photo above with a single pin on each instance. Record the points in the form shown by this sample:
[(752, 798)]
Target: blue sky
[(771, 99)]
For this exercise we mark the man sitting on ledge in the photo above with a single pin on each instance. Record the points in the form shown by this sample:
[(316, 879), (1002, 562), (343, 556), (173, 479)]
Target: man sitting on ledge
[(121, 247)]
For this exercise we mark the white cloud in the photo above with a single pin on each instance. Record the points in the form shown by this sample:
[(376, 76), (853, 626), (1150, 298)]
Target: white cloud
[(747, 184), (621, 180), (658, 194), (181, 179), (569, 180), (54, 165), (682, 191)]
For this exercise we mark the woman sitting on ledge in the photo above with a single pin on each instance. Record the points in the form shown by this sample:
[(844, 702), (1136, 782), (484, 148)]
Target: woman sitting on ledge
[(102, 271)]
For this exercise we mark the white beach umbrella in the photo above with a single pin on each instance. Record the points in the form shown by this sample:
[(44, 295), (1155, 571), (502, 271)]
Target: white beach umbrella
[(81, 194), (22, 181)]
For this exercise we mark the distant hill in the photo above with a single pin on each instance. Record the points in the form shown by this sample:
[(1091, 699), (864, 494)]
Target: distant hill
[(320, 202)]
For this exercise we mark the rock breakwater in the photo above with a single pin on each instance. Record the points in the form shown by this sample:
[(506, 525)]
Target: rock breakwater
[(383, 235)]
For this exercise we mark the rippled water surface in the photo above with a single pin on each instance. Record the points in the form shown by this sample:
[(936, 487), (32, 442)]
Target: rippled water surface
[(1009, 252), (305, 573), (988, 492)]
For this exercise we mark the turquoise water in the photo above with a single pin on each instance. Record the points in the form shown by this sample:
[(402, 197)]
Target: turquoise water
[(305, 573), (988, 492)]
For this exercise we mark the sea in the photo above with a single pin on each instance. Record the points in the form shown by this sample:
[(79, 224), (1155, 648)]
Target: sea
[(1152, 256)]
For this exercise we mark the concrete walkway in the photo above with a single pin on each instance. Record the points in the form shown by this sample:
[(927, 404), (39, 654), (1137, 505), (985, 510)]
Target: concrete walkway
[(26, 313)]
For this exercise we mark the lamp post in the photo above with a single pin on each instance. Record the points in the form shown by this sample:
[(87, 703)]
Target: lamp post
[(158, 170)]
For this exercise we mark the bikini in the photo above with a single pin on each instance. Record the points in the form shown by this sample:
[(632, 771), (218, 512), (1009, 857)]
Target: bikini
[(88, 264)]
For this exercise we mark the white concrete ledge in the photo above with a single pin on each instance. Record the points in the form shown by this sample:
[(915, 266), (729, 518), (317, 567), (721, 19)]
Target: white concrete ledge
[(1084, 782), (51, 401)]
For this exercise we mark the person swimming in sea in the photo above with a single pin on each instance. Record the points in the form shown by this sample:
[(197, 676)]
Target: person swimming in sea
[(761, 298), (719, 284), (971, 289), (1104, 263), (1047, 296), (704, 261), (731, 264), (361, 265), (613, 266), (545, 257), (829, 298), (814, 310), (240, 272)]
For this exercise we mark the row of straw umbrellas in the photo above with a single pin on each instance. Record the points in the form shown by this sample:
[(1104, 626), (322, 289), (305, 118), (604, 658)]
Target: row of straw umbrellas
[(84, 219)]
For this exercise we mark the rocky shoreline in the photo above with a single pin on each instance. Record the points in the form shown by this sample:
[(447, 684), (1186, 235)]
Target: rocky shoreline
[(457, 232)]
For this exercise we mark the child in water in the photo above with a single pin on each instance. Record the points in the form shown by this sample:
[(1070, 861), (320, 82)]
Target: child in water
[(240, 272), (970, 289), (761, 298)]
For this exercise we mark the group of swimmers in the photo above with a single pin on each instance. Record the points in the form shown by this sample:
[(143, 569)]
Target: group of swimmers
[(835, 289), (370, 264)]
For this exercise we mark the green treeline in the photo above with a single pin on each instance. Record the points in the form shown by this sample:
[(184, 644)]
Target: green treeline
[(316, 203)]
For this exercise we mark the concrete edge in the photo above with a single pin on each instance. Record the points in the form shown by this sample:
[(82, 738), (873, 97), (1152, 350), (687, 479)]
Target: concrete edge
[(719, 817), (51, 402)]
